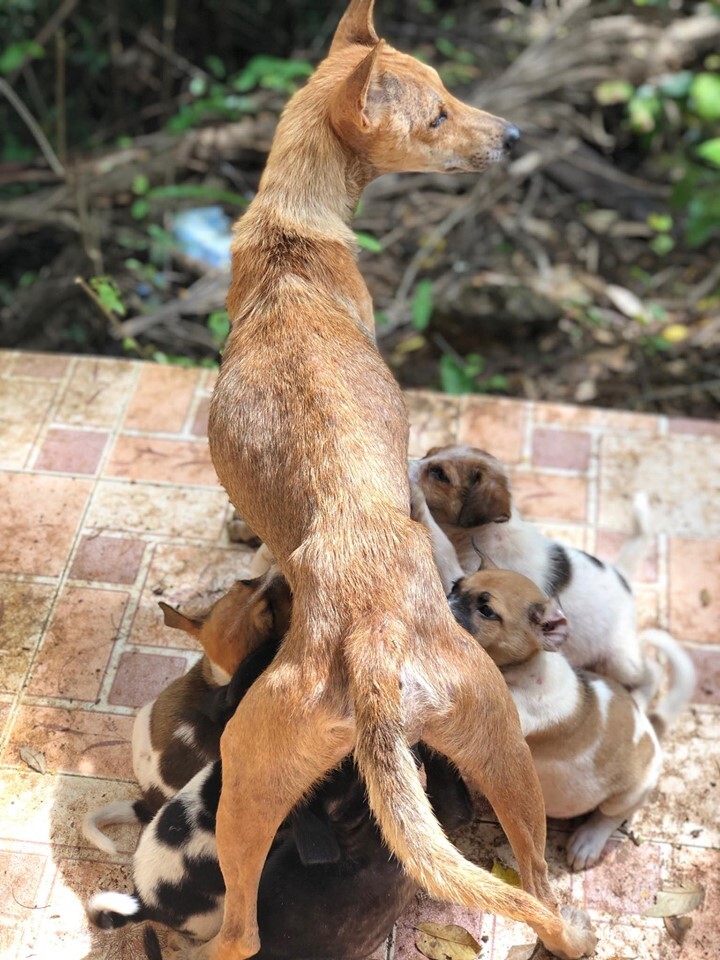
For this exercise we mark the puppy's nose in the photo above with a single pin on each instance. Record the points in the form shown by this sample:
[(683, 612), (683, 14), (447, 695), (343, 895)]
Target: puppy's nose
[(512, 135)]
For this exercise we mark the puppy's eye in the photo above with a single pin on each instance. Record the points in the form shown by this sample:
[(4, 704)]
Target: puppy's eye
[(439, 119), (439, 474), (486, 611), (475, 476)]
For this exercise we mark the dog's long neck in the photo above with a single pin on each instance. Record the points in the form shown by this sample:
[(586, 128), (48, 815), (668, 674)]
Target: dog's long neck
[(311, 184)]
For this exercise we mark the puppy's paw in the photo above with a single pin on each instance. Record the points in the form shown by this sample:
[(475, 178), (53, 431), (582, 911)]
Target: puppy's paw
[(241, 532), (585, 846)]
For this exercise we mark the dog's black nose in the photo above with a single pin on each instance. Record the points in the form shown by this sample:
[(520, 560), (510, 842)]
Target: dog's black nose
[(512, 135)]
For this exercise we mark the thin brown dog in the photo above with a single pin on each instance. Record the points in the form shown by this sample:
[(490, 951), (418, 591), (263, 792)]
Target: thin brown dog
[(309, 435)]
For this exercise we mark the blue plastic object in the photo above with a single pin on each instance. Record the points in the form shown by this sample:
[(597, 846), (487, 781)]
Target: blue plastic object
[(204, 234)]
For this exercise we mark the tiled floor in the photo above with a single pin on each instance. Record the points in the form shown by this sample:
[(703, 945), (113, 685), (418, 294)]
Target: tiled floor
[(109, 503)]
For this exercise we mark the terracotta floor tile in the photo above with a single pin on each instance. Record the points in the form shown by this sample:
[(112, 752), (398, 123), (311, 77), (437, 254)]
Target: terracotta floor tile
[(562, 449), (707, 665), (543, 497), (626, 879), (623, 941), (495, 425), (707, 428), (108, 559), (161, 400), (562, 414), (684, 807), (24, 408), (38, 521), (38, 809), (140, 677), (23, 610), (190, 578), (20, 875), (681, 475), (78, 643), (693, 866), (433, 421), (74, 740), (199, 426), (71, 451), (166, 511), (607, 547), (40, 366), (96, 392), (695, 589), (172, 461)]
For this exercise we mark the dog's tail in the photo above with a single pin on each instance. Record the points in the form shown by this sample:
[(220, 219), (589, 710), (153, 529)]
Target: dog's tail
[(401, 806), (109, 910), (122, 811), (636, 546), (681, 681)]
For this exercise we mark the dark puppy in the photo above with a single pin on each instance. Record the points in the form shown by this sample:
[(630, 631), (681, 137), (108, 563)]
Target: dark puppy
[(329, 889)]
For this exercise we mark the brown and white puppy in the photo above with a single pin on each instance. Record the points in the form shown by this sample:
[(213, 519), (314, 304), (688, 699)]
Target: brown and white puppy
[(594, 747), (177, 734), (468, 494)]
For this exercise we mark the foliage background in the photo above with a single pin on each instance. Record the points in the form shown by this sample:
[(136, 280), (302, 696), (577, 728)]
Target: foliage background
[(586, 271)]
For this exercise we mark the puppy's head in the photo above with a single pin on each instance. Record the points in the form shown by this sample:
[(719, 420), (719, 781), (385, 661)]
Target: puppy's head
[(250, 613), (508, 615), (464, 486)]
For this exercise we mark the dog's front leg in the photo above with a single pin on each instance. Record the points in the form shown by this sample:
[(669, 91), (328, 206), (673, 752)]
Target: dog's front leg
[(273, 750)]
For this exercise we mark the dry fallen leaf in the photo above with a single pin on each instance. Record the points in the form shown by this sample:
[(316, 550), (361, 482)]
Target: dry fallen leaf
[(34, 759), (439, 941), (625, 301), (525, 951), (675, 901), (705, 597), (503, 872), (677, 927)]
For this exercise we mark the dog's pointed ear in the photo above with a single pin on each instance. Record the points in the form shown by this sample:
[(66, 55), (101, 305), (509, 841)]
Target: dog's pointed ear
[(352, 99), (178, 621), (486, 502), (356, 26)]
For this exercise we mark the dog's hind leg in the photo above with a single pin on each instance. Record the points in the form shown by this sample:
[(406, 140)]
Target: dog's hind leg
[(481, 734), (273, 750)]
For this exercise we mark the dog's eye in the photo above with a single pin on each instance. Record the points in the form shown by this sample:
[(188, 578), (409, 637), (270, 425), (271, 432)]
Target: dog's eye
[(485, 610), (440, 118), (439, 474), (475, 476)]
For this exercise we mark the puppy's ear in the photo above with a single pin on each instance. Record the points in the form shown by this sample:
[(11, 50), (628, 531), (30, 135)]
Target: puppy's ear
[(178, 621), (314, 838), (433, 452), (487, 501), (279, 601), (552, 626)]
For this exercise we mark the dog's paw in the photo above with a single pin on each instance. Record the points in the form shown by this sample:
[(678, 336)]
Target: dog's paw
[(585, 846), (580, 939)]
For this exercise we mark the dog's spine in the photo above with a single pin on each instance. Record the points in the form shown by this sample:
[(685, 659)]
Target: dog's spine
[(635, 548), (401, 806), (681, 683), (109, 910), (122, 811)]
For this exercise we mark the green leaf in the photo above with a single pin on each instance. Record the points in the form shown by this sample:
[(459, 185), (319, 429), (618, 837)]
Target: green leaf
[(445, 47), (215, 66), (422, 305), (140, 209), (613, 91), (453, 377), (108, 294), (368, 242), (710, 151), (16, 54), (705, 96), (140, 184), (198, 86), (660, 222), (219, 326), (662, 244), (676, 85)]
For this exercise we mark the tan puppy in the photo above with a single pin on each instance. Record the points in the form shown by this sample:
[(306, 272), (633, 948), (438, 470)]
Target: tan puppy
[(594, 748), (308, 433), (177, 734), (468, 494)]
